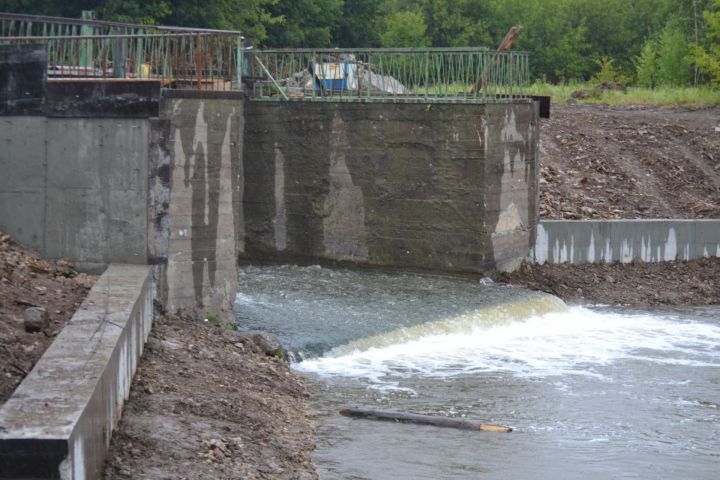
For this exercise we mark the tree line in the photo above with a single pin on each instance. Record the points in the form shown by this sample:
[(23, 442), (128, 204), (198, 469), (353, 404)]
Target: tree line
[(643, 42)]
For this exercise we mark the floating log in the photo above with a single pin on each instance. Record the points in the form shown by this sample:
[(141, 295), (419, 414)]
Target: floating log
[(448, 422)]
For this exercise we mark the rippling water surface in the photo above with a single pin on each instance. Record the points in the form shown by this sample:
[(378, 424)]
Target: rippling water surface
[(590, 392)]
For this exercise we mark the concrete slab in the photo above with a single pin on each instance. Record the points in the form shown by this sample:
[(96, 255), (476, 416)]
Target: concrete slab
[(59, 421)]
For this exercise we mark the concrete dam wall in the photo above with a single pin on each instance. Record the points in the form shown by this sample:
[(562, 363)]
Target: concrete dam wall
[(443, 187), (76, 187), (191, 181), (197, 200)]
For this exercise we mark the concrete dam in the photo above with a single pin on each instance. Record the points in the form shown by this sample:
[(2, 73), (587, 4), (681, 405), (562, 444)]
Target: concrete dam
[(197, 182), (193, 182)]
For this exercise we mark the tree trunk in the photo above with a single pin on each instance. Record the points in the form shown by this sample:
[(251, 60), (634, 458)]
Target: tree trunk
[(422, 420)]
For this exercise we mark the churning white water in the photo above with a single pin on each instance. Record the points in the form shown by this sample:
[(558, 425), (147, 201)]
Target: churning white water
[(570, 341), (590, 392)]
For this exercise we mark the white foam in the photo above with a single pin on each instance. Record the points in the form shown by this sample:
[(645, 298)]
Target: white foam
[(571, 342)]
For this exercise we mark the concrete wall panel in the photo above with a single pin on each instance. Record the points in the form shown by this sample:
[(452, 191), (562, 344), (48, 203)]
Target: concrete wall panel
[(204, 145), (598, 241), (76, 188), (97, 190), (23, 179), (402, 185)]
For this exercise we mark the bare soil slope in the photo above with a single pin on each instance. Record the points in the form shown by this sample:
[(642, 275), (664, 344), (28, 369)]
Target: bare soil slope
[(26, 280), (208, 403), (630, 162), (696, 282)]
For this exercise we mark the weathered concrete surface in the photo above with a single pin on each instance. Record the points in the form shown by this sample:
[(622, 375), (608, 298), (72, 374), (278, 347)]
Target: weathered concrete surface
[(76, 188), (159, 183), (23, 196), (605, 241), (106, 99), (98, 190), (443, 187), (26, 90), (58, 422), (432, 187), (23, 78), (204, 221)]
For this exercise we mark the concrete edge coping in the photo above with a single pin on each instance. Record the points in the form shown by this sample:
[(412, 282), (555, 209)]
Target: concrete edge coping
[(59, 421), (625, 240)]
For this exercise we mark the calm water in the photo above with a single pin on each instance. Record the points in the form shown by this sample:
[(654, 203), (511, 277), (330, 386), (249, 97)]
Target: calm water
[(590, 392)]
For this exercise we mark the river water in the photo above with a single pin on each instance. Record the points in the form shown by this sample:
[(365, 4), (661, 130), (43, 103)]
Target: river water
[(592, 393)]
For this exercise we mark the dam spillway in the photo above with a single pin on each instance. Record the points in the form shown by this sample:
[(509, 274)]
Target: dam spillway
[(597, 391)]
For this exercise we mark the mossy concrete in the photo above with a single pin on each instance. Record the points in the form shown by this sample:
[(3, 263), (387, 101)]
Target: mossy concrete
[(441, 187)]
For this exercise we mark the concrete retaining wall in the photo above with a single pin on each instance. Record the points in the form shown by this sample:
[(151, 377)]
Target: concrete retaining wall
[(76, 188), (85, 179), (598, 241), (59, 421), (101, 172), (444, 187)]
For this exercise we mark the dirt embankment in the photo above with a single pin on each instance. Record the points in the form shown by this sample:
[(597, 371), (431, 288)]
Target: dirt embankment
[(27, 281), (600, 162), (209, 403), (630, 162), (205, 403), (696, 282)]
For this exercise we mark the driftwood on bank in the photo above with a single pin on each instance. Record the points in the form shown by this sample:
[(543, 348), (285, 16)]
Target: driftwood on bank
[(391, 416)]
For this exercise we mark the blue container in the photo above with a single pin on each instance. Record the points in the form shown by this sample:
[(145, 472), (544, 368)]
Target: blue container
[(331, 76)]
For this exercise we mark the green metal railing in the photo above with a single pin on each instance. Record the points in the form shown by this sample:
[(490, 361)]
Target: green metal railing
[(181, 60), (91, 49), (218, 60), (442, 74)]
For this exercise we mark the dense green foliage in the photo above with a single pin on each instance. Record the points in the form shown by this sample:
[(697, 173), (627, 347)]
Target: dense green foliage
[(708, 59), (649, 42)]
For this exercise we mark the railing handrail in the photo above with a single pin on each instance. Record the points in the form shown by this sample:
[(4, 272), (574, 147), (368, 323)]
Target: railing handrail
[(197, 60), (330, 50), (460, 74), (99, 37), (106, 23)]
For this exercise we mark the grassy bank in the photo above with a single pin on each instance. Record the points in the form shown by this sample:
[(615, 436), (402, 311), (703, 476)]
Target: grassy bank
[(665, 96)]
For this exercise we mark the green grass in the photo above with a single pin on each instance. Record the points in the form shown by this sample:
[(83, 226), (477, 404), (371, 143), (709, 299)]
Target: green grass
[(665, 96), (561, 94)]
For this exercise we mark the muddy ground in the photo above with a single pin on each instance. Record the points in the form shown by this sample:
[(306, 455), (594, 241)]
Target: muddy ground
[(696, 282), (630, 162), (26, 280), (601, 162), (211, 403)]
